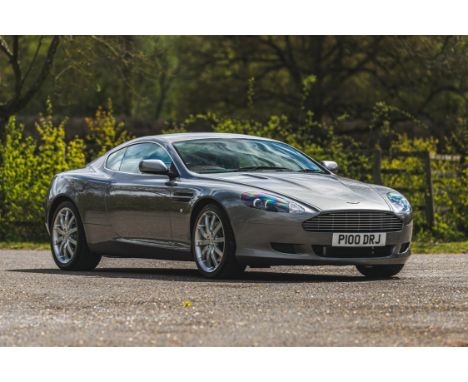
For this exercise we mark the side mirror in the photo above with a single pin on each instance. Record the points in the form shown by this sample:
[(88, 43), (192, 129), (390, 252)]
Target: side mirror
[(330, 165), (153, 166)]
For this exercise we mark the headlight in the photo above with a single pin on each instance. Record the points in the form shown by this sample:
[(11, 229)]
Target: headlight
[(271, 203), (398, 201)]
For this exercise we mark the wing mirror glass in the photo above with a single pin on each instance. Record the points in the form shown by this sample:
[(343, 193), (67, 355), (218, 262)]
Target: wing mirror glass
[(330, 165), (153, 166)]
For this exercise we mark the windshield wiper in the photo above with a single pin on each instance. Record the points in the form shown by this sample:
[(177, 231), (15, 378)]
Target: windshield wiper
[(255, 168), (309, 170)]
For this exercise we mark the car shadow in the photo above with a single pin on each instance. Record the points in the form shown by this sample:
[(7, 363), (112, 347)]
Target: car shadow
[(192, 275)]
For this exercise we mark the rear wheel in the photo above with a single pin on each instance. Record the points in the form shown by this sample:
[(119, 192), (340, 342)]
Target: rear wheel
[(380, 271), (213, 244), (68, 243)]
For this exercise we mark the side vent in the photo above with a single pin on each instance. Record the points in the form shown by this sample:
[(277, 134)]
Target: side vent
[(182, 196)]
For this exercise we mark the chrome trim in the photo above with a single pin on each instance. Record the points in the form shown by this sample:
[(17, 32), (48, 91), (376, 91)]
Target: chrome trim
[(156, 243)]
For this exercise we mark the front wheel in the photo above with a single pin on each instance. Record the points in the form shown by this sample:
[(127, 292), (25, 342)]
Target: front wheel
[(67, 240), (213, 244), (380, 271)]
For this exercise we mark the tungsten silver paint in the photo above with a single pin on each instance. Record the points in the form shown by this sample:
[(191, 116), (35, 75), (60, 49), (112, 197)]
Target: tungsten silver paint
[(256, 201)]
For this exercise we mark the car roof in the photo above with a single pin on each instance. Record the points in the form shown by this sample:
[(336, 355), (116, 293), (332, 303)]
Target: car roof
[(177, 137)]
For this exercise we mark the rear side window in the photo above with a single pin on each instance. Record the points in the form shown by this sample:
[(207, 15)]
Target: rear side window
[(115, 159), (136, 153)]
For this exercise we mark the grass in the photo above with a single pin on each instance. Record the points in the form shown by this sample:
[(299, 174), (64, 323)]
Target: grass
[(430, 247), (24, 245), (417, 246)]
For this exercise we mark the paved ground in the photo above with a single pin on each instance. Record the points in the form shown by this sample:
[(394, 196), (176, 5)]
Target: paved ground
[(145, 302)]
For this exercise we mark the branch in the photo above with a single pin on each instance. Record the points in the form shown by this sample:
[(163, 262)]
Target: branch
[(4, 48), (434, 93), (33, 61), (370, 56), (14, 61), (294, 71), (18, 102)]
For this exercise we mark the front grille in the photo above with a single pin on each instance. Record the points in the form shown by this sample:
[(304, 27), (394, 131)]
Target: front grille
[(354, 221)]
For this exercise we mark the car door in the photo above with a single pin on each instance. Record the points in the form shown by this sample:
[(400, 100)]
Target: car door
[(139, 204)]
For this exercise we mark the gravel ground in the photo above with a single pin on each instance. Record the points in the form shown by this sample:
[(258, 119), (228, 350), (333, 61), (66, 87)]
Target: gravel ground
[(128, 302)]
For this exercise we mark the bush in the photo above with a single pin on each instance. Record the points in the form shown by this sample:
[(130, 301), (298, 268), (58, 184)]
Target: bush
[(27, 165), (104, 133), (26, 170), (450, 219)]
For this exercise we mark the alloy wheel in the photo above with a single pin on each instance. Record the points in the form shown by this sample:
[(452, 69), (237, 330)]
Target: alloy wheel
[(65, 235), (209, 241)]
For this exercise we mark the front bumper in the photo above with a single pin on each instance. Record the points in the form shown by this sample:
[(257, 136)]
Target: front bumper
[(258, 234)]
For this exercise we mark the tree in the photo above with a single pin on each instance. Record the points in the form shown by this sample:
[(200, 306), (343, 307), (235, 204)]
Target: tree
[(27, 78), (329, 75), (135, 71), (163, 79)]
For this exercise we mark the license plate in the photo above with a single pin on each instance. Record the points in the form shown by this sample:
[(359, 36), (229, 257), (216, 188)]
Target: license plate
[(359, 239)]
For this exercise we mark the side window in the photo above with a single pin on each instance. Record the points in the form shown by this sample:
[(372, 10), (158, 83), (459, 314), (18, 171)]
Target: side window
[(136, 153), (114, 160)]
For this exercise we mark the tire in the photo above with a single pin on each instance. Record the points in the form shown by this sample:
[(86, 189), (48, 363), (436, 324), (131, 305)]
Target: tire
[(380, 271), (66, 229), (216, 257)]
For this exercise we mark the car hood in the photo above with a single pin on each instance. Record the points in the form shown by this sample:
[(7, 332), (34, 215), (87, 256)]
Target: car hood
[(322, 191)]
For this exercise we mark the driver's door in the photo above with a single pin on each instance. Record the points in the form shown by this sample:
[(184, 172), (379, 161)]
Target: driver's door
[(138, 204)]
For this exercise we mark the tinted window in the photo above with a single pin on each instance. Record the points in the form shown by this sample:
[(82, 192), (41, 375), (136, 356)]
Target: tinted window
[(114, 160), (229, 155), (136, 153)]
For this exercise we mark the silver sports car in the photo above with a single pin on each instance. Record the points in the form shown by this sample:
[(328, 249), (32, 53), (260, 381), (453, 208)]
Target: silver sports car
[(226, 201)]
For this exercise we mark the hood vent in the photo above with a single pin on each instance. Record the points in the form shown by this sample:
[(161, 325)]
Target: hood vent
[(256, 176)]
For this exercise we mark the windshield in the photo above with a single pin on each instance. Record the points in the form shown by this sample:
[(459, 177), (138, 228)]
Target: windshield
[(206, 156)]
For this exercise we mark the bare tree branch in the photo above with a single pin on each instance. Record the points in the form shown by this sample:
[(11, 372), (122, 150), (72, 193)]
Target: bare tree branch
[(4, 47), (20, 98), (15, 64), (33, 61)]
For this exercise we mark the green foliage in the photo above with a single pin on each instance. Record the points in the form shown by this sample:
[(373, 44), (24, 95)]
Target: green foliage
[(250, 91), (166, 78), (17, 177), (381, 132), (33, 245), (448, 184), (104, 132), (429, 246), (333, 97), (27, 167)]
